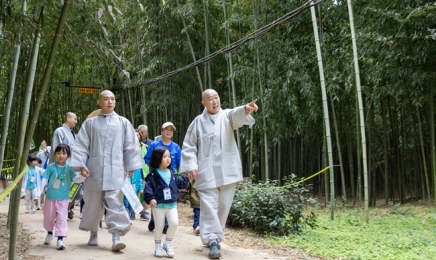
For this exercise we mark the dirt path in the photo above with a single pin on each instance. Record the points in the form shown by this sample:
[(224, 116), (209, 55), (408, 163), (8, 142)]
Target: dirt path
[(139, 242)]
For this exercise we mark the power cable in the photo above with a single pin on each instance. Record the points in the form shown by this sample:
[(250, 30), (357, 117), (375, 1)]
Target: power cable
[(235, 45)]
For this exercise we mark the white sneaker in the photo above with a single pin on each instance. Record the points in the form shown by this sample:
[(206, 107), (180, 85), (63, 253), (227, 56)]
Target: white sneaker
[(158, 251), (60, 245), (27, 211), (48, 239), (197, 230), (93, 239), (117, 245), (169, 249)]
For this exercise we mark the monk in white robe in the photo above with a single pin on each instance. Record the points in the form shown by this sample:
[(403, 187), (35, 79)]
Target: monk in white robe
[(106, 151), (210, 154)]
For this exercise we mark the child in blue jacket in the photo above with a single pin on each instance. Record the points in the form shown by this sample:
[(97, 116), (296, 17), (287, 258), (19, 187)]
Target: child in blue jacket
[(162, 192)]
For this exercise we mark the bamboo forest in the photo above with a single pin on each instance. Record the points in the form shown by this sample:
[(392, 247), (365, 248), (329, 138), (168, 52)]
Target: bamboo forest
[(243, 49), (348, 85)]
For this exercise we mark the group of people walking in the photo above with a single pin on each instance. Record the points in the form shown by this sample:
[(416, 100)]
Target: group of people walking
[(107, 150)]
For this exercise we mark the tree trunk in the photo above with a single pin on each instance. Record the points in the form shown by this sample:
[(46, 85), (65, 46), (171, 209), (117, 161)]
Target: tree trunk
[(265, 170), (432, 140), (341, 162), (22, 154), (424, 161), (11, 91), (197, 70), (385, 150), (207, 43), (361, 112), (326, 114)]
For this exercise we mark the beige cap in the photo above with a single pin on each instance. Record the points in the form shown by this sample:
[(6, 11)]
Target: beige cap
[(168, 124)]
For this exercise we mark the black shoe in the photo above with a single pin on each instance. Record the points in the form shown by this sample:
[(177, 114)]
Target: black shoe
[(164, 231), (214, 252), (70, 215), (151, 225)]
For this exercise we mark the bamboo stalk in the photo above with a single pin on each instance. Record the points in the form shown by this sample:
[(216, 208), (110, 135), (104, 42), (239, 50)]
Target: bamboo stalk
[(326, 113), (40, 96), (361, 112)]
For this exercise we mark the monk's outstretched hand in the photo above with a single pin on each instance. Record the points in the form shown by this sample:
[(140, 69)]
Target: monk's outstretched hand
[(251, 107)]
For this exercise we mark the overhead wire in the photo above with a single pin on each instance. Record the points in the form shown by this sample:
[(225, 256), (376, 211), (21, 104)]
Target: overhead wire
[(235, 45)]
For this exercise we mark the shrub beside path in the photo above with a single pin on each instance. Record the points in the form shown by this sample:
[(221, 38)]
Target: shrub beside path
[(139, 241)]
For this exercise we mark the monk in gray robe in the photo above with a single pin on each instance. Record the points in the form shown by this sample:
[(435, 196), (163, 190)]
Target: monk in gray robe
[(106, 151), (210, 155), (64, 135)]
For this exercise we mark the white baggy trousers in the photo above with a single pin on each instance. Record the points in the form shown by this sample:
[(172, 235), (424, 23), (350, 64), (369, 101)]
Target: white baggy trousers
[(117, 219), (215, 206)]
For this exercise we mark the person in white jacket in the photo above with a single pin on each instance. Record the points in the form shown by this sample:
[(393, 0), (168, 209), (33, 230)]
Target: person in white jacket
[(31, 185), (210, 155)]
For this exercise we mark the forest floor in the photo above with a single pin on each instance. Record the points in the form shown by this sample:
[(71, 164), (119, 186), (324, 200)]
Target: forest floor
[(238, 244)]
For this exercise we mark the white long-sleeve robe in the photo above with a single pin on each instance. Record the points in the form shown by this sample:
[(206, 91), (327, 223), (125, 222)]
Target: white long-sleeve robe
[(210, 148), (108, 150)]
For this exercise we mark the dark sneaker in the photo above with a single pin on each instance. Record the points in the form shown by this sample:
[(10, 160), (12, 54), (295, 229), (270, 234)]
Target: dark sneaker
[(132, 216), (70, 215), (143, 216), (151, 225), (214, 252), (164, 231)]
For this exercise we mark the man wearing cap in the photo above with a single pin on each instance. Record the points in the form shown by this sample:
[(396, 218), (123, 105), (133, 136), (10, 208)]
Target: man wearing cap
[(210, 156), (167, 132)]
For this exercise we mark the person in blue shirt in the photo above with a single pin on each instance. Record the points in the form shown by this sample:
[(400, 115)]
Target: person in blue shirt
[(58, 177), (168, 129), (167, 132), (162, 192)]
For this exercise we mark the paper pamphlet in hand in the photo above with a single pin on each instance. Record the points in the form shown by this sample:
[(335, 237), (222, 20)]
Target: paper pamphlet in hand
[(131, 196)]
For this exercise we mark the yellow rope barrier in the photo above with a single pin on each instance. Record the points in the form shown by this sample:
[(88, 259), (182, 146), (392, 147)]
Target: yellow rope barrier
[(7, 169), (8, 160), (310, 177), (13, 184)]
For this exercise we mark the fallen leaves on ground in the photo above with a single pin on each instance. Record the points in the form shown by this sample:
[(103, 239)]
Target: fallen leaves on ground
[(22, 244)]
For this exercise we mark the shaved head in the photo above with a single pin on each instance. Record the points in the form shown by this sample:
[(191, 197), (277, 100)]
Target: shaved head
[(211, 101), (104, 93), (106, 100), (207, 93)]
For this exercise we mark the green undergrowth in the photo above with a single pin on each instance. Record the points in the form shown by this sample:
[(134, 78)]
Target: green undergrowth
[(397, 232)]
